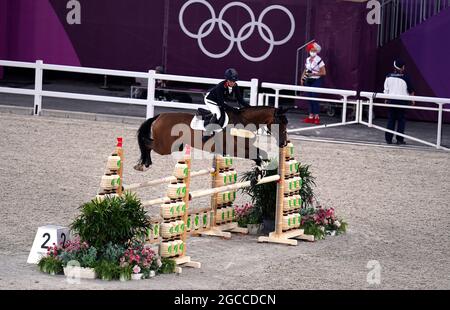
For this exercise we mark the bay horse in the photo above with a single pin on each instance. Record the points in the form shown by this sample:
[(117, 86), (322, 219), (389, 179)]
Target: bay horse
[(156, 134)]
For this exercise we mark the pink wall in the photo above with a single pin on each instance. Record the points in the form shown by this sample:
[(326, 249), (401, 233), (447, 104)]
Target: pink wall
[(35, 32)]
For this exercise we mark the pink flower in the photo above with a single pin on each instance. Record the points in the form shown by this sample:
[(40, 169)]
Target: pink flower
[(136, 269)]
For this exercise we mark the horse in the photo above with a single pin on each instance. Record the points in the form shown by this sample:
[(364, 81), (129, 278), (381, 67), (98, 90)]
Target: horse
[(156, 134)]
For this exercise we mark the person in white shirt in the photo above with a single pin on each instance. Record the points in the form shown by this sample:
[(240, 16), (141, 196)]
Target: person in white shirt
[(313, 77), (397, 83)]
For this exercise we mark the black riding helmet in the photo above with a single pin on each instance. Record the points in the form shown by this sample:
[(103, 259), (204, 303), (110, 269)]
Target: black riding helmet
[(231, 75)]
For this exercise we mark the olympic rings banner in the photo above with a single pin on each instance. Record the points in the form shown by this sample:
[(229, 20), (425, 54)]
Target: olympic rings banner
[(244, 33), (194, 37), (258, 38)]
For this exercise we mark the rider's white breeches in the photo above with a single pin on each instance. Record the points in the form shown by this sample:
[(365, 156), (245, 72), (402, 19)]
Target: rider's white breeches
[(212, 107)]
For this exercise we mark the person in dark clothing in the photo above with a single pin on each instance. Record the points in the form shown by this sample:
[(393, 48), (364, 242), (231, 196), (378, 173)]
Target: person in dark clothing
[(397, 83), (225, 90), (215, 102)]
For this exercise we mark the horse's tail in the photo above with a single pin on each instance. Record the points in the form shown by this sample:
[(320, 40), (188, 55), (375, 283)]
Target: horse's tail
[(145, 141)]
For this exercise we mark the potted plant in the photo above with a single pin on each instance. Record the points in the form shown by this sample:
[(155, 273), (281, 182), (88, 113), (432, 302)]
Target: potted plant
[(308, 184), (167, 266), (249, 216), (136, 275), (125, 272), (264, 196), (114, 220), (51, 263), (78, 259), (141, 259), (107, 271), (320, 222)]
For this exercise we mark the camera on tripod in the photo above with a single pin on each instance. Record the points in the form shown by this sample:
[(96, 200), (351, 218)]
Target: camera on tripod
[(307, 74)]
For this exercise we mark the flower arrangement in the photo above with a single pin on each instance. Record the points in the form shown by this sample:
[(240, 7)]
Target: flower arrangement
[(320, 221), (51, 263), (140, 259), (109, 243), (248, 214), (76, 250)]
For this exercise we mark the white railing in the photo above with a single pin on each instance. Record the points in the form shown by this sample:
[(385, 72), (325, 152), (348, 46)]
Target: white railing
[(151, 76), (344, 94), (370, 102), (255, 98)]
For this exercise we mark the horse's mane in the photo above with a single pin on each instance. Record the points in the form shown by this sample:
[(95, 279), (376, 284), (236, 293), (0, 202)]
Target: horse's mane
[(254, 108)]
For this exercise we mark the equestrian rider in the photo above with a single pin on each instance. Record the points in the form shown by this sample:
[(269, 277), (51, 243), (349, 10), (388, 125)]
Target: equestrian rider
[(215, 98)]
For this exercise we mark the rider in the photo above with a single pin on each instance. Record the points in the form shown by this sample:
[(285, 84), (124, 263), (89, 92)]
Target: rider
[(215, 98)]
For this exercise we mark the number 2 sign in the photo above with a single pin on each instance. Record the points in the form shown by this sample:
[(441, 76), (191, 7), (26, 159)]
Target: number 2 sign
[(45, 237)]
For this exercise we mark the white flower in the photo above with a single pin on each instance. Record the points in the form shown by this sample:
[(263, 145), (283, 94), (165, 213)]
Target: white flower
[(159, 262), (337, 224)]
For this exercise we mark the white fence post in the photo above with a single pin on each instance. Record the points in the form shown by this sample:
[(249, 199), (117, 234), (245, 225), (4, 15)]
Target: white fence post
[(151, 94), (344, 110), (370, 112), (254, 92), (260, 99), (358, 102), (439, 127), (277, 98), (38, 73)]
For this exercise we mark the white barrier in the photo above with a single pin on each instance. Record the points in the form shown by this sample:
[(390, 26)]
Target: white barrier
[(345, 94), (440, 102), (255, 98), (151, 76)]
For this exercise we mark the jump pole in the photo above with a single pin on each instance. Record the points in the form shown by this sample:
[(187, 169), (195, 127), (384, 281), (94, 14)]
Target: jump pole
[(216, 190), (165, 180)]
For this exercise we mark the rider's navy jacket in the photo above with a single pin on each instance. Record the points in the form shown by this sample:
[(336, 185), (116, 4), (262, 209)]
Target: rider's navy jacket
[(220, 93)]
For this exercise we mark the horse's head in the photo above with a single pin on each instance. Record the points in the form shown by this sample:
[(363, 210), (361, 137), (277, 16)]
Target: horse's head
[(268, 116)]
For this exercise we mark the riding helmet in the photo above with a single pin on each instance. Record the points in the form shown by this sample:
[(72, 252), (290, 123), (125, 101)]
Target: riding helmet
[(231, 74)]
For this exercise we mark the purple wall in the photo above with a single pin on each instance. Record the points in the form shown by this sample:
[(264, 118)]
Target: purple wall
[(429, 47), (425, 49), (348, 43), (34, 32), (117, 34), (141, 34), (3, 31)]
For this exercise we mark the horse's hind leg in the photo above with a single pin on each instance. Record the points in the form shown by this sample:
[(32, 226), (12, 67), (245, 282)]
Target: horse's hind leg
[(146, 157)]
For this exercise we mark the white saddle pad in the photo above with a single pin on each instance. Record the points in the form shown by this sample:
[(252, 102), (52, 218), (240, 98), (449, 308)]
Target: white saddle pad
[(198, 124)]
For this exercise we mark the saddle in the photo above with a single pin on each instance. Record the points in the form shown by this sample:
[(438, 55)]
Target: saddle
[(209, 118)]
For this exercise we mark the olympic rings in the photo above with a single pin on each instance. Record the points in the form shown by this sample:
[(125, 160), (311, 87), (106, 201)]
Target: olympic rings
[(227, 31)]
